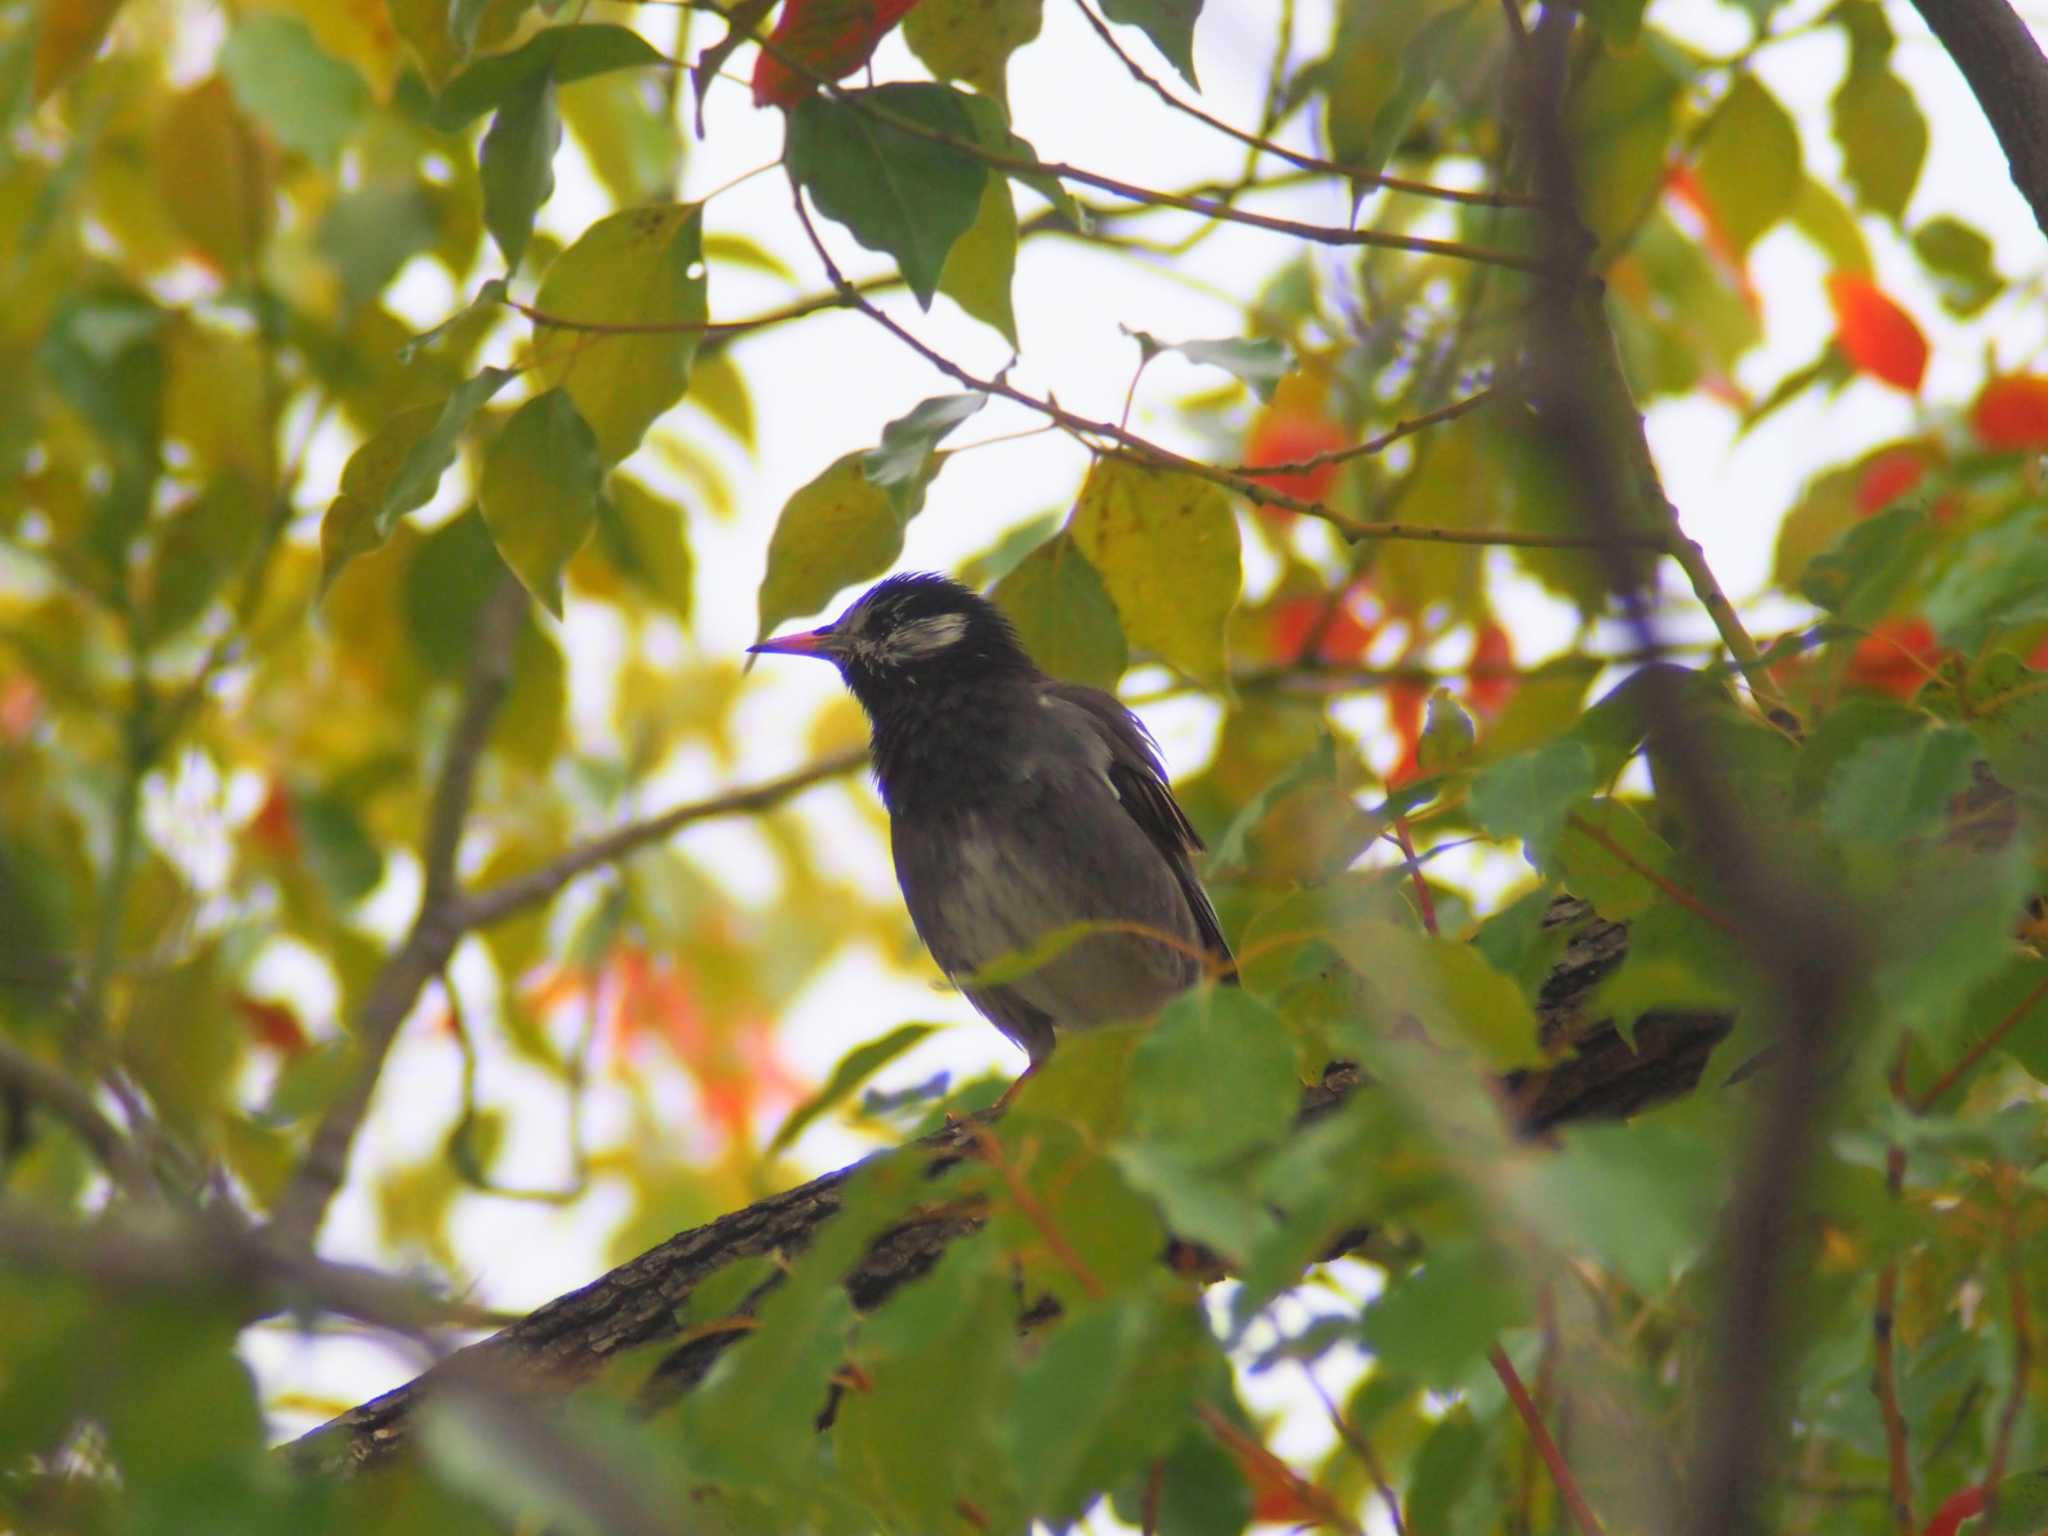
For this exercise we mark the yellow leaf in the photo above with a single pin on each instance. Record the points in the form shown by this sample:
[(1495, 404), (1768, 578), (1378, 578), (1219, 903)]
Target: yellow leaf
[(72, 33), (215, 176), (1166, 546)]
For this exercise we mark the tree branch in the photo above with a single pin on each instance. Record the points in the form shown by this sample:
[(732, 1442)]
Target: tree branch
[(567, 1342), (57, 1092), (435, 931), (2004, 68)]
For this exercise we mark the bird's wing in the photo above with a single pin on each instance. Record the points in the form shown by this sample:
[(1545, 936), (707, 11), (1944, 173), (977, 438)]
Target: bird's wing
[(1138, 778)]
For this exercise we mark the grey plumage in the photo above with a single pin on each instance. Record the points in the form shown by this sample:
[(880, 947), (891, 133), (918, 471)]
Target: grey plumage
[(1019, 806)]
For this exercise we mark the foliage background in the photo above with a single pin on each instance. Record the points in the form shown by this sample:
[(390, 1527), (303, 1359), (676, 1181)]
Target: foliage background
[(267, 690)]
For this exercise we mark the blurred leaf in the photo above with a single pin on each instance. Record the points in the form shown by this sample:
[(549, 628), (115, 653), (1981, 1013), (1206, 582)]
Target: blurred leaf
[(1450, 988), (642, 267), (1832, 228), (1169, 23), (558, 53), (1216, 1078), (1619, 120), (1592, 873), (341, 852), (427, 456), (310, 100), (1386, 58), (972, 40), (1883, 136), (1063, 614), (1749, 161), (1900, 785), (183, 1044), (539, 490), (1998, 578), (901, 194), (70, 34), (1861, 572), (908, 456), (1110, 1390), (1875, 333), (1621, 21), (1436, 1322), (630, 141), (839, 529), (1527, 796), (644, 537), (1166, 547), (854, 1069), (979, 269), (215, 177), (1960, 260), (516, 164)]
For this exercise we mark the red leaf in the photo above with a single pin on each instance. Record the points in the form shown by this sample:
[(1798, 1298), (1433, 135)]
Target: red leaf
[(1406, 704), (1344, 639), (1889, 476), (1287, 437), (2012, 412), (828, 39), (1896, 657), (1488, 690), (272, 1024), (272, 828), (20, 703), (1877, 336), (1955, 1510)]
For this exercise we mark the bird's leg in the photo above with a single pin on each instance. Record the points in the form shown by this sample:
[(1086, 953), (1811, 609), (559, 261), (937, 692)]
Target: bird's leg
[(1010, 1092)]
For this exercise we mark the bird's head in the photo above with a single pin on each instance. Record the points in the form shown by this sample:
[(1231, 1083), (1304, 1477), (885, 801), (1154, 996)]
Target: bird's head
[(908, 633)]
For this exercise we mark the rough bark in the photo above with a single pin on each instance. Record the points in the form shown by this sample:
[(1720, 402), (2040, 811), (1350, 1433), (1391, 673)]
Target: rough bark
[(2005, 70), (569, 1340)]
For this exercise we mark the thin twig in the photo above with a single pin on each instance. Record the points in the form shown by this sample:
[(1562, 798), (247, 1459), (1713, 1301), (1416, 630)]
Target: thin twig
[(530, 889), (549, 320), (1033, 1210), (1142, 451), (1600, 838), (1379, 444), (1932, 1094), (1253, 1452), (55, 1091), (1361, 1448), (1539, 1434), (435, 931), (1293, 157)]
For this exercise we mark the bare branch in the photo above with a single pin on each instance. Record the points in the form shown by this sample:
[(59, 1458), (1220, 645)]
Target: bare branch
[(70, 1102), (500, 901), (435, 931), (2004, 68)]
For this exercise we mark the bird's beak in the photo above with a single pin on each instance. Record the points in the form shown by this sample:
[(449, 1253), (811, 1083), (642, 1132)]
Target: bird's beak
[(810, 642)]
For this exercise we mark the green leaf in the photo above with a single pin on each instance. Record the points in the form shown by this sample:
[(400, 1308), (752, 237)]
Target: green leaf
[(1387, 56), (1899, 786), (278, 73), (1618, 122), (1527, 796), (2009, 707), (1450, 988), (1216, 1078), (854, 1069), (1619, 21), (982, 265), (1063, 614), (972, 40), (839, 529), (642, 267), (1883, 135), (516, 164), (1261, 361), (643, 535), (1169, 23), (1166, 546), (1111, 1389), (1639, 1199), (1959, 259), (907, 459), (899, 193), (1749, 161), (419, 473), (1862, 571), (1999, 578), (1947, 929), (539, 491), (563, 53), (341, 852), (1819, 215), (1436, 1322), (1592, 872), (1448, 734)]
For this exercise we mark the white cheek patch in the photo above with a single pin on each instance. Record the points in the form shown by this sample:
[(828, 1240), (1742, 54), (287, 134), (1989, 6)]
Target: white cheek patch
[(927, 637)]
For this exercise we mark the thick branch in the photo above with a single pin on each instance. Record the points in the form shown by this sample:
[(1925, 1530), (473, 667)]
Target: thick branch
[(56, 1092), (568, 1341), (2005, 70)]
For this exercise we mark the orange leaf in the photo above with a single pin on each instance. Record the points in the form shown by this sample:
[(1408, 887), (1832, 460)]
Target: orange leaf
[(272, 1024), (1280, 437), (1488, 690), (1877, 336), (818, 40), (1896, 657), (273, 828), (2012, 412), (21, 703), (1344, 638)]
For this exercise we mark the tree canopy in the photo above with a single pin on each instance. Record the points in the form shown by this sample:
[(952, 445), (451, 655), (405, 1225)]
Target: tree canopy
[(1630, 1116)]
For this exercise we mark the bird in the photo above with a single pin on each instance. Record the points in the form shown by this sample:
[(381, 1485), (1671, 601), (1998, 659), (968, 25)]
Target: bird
[(1020, 805)]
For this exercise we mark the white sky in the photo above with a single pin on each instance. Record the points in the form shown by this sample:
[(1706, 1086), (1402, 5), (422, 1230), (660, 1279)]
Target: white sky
[(828, 384)]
